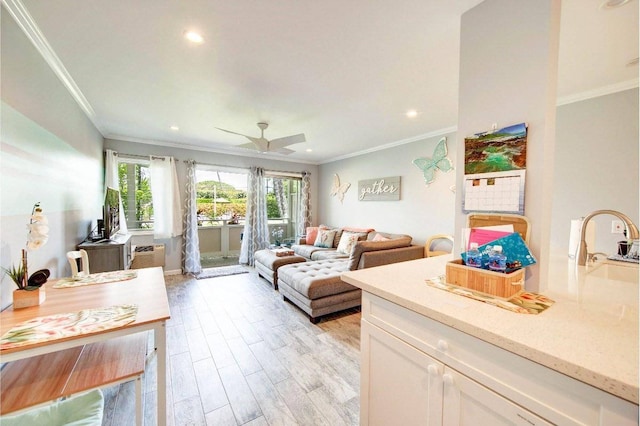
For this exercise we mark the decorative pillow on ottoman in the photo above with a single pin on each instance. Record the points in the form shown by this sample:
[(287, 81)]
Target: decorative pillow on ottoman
[(325, 238)]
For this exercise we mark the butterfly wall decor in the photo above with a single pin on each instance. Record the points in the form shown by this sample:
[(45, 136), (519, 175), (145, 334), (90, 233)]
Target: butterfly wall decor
[(337, 189), (439, 161)]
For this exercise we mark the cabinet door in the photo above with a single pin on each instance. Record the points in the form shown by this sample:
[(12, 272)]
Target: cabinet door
[(466, 402), (400, 385)]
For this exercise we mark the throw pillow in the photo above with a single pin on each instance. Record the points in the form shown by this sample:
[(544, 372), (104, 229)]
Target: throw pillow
[(312, 234), (347, 242), (380, 237), (325, 238)]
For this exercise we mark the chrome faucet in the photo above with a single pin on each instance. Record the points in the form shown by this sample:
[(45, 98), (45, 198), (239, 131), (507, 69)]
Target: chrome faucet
[(632, 233)]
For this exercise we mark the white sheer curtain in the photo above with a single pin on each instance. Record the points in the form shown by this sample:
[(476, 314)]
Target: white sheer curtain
[(190, 243), (256, 227), (112, 180), (167, 208), (304, 220)]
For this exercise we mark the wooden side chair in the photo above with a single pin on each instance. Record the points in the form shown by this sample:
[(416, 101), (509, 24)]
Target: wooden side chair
[(438, 245)]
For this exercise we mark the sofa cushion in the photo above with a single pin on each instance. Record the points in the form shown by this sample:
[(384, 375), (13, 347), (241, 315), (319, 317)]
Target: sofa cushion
[(312, 233), (325, 238), (328, 254), (365, 246), (306, 250), (347, 241), (380, 237), (314, 280), (336, 238), (377, 234)]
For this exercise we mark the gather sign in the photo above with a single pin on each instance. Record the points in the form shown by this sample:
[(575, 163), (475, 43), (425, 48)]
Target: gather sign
[(379, 189)]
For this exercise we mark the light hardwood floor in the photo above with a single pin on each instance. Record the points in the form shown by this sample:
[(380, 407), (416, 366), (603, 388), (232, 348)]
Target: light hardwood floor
[(240, 355)]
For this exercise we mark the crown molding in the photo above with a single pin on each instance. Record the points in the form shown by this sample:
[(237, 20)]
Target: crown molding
[(436, 133), (21, 15), (601, 91)]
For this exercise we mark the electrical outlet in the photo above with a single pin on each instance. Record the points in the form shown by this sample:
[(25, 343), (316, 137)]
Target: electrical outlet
[(617, 227)]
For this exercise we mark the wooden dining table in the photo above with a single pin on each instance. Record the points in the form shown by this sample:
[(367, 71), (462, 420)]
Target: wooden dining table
[(147, 290)]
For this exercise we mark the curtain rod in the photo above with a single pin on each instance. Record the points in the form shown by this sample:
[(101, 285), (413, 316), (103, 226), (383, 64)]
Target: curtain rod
[(297, 174), (145, 157), (284, 172)]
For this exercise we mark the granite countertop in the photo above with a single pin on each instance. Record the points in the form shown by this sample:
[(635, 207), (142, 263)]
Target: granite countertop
[(590, 333)]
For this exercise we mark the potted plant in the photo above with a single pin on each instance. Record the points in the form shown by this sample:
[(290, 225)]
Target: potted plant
[(30, 292)]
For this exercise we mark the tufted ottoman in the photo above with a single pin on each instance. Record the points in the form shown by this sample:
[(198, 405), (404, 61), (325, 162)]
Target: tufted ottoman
[(267, 264), (316, 287)]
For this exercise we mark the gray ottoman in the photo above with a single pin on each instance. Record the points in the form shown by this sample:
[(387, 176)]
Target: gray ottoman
[(267, 264), (316, 287)]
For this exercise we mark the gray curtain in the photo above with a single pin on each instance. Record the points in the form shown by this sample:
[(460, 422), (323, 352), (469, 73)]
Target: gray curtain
[(278, 190), (256, 228), (190, 242), (305, 204)]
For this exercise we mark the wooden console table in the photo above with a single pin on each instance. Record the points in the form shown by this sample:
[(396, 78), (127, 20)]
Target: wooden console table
[(109, 255)]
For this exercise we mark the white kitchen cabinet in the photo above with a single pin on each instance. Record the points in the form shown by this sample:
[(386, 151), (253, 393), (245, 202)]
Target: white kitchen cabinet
[(418, 371), (468, 403), (404, 385)]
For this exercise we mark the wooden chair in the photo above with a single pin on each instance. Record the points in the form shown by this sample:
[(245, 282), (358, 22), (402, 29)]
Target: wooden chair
[(436, 243), (73, 257)]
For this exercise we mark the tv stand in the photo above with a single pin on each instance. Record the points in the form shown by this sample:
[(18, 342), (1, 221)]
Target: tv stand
[(105, 255)]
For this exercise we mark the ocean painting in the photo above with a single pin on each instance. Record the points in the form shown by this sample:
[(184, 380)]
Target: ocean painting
[(496, 151)]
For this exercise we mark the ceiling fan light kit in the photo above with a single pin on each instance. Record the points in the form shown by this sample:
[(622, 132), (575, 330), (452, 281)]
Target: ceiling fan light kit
[(264, 145)]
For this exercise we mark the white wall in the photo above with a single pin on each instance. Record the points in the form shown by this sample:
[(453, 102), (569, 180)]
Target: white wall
[(173, 246), (508, 74), (50, 153), (421, 211), (596, 166)]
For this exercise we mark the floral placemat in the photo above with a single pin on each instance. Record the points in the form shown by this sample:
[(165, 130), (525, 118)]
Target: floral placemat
[(522, 303), (53, 327), (99, 278)]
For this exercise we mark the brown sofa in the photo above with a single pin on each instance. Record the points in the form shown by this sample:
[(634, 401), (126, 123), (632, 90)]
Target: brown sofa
[(315, 286)]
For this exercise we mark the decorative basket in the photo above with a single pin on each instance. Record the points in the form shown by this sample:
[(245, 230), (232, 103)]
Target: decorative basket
[(494, 283)]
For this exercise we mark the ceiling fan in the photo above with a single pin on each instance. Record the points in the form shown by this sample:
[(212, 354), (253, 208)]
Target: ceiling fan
[(275, 145)]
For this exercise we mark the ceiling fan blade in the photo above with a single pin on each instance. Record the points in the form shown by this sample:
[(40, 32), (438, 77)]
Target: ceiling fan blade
[(276, 144), (256, 144), (285, 151), (249, 146), (233, 133)]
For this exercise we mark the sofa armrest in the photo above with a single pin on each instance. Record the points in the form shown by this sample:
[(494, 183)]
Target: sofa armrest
[(384, 257)]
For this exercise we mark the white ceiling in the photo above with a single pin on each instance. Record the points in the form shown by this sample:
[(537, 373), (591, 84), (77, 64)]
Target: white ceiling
[(342, 72)]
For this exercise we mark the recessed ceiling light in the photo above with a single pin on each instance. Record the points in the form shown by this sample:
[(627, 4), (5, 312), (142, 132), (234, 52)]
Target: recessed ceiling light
[(174, 128), (309, 150), (611, 4), (193, 36), (412, 113)]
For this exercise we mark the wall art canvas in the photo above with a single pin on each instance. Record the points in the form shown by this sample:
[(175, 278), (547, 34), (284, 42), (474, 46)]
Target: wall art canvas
[(496, 151), (379, 189)]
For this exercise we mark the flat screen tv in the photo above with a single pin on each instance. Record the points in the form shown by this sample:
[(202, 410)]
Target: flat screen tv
[(111, 213)]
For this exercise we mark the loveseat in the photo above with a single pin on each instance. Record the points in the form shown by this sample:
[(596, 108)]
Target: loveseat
[(315, 285)]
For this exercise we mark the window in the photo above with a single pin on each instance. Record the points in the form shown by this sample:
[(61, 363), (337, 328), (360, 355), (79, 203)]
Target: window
[(283, 205), (135, 190), (221, 196)]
